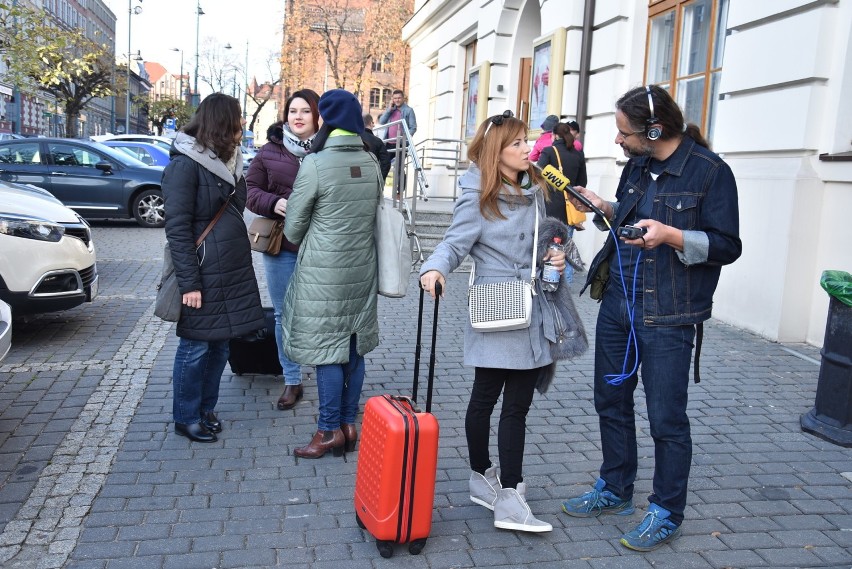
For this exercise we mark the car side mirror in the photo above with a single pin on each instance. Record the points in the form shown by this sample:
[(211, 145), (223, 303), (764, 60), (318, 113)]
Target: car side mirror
[(104, 166)]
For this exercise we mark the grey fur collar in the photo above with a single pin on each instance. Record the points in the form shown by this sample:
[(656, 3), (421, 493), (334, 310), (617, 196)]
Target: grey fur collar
[(188, 146), (561, 319)]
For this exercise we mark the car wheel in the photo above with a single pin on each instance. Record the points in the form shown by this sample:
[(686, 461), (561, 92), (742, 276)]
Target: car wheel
[(149, 209)]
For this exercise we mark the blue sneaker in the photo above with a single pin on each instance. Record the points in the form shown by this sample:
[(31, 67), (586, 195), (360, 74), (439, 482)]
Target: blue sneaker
[(654, 530), (597, 502)]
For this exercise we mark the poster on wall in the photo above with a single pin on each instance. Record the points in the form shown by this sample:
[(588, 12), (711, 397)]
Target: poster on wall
[(540, 83), (470, 123), (546, 77), (476, 105)]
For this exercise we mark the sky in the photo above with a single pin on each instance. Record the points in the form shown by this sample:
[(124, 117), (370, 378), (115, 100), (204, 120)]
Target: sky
[(166, 24)]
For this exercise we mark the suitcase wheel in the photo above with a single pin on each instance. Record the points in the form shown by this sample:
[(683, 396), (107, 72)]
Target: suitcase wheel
[(385, 548), (416, 546), (360, 523)]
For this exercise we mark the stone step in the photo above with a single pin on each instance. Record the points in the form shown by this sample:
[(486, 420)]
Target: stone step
[(430, 227)]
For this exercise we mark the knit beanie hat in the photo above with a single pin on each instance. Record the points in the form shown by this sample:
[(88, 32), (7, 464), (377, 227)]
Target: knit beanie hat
[(340, 109)]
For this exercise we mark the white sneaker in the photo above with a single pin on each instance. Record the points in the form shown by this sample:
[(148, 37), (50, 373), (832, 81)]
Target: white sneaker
[(512, 512), (483, 488)]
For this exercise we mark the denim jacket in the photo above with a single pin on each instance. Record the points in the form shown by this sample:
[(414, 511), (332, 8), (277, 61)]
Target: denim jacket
[(696, 193)]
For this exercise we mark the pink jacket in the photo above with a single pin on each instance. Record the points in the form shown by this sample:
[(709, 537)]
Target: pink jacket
[(545, 140)]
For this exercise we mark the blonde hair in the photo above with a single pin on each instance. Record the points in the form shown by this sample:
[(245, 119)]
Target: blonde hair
[(484, 151)]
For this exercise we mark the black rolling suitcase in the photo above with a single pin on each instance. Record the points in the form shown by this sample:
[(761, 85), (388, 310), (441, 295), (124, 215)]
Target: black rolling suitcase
[(256, 353)]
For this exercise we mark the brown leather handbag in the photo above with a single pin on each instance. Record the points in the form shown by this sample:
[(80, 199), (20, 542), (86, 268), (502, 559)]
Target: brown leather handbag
[(266, 235)]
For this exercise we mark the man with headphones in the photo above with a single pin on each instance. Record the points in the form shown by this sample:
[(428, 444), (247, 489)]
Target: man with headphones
[(655, 283)]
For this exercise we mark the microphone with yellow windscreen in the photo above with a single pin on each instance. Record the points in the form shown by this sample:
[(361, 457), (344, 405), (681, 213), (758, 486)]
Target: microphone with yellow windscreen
[(556, 179)]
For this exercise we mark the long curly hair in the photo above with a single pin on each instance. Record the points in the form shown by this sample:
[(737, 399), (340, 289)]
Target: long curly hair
[(484, 151), (216, 124)]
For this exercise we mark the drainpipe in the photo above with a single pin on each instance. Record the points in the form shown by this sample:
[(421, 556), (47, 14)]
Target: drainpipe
[(585, 63)]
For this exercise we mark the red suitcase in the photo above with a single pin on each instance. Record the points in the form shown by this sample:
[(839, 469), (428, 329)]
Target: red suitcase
[(397, 462)]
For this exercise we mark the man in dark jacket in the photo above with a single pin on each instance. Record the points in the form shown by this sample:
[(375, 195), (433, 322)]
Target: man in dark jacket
[(377, 147), (657, 292)]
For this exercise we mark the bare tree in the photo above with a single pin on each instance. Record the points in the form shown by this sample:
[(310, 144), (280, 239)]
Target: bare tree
[(264, 92), (218, 68)]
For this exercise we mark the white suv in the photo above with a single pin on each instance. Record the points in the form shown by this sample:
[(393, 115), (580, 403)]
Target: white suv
[(47, 257)]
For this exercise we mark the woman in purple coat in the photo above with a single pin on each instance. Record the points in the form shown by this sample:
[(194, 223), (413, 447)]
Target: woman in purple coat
[(270, 182)]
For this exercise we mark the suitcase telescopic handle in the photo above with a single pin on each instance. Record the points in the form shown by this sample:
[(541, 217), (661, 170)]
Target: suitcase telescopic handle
[(417, 349)]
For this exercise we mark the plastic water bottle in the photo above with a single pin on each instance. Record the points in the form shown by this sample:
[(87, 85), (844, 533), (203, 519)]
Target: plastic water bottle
[(550, 274)]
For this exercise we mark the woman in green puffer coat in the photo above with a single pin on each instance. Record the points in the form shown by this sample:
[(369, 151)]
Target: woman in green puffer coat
[(330, 308)]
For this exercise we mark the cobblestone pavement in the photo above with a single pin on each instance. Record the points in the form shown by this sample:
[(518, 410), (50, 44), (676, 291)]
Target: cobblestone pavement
[(93, 477)]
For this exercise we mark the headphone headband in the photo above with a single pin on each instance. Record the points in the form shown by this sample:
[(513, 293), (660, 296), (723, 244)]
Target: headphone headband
[(653, 118), (652, 132)]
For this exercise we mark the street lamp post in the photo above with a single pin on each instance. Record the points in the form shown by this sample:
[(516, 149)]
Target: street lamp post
[(245, 71), (245, 91), (198, 13), (180, 93), (131, 11)]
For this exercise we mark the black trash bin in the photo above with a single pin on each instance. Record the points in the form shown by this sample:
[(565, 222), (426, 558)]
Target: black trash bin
[(831, 417)]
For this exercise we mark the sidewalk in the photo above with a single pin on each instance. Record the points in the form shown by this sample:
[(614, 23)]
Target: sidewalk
[(94, 477)]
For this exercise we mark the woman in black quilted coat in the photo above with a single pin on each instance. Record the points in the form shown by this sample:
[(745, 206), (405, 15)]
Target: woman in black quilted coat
[(216, 279)]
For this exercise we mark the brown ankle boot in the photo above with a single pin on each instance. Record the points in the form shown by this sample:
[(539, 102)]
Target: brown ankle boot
[(323, 442), (350, 433), (291, 396)]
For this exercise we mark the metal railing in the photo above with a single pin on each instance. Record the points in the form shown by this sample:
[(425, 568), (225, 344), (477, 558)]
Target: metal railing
[(443, 150), (403, 152)]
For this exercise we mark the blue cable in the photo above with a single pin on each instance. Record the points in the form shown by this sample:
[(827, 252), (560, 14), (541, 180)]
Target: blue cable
[(613, 378)]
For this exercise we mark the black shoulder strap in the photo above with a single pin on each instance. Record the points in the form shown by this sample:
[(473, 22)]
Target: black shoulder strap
[(699, 337)]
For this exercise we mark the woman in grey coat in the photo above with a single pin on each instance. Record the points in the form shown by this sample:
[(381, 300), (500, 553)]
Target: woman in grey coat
[(494, 222), (330, 309)]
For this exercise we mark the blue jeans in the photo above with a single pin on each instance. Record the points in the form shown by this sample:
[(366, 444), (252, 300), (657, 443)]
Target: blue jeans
[(279, 268), (195, 378), (664, 354), (339, 390)]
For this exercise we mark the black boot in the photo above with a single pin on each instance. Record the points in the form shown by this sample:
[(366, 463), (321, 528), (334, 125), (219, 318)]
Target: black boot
[(195, 432)]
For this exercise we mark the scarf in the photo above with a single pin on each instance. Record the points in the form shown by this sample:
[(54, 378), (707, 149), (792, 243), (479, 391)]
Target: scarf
[(280, 133)]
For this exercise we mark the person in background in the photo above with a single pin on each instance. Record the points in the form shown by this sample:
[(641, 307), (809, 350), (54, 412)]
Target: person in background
[(377, 147), (685, 197), (562, 156), (216, 279), (575, 132), (270, 182), (546, 138), (494, 221), (398, 110), (330, 309)]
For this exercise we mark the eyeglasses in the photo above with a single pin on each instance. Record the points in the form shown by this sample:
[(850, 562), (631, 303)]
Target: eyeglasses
[(498, 120), (626, 135)]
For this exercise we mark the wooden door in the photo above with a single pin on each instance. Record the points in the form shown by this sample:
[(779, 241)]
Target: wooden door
[(524, 78)]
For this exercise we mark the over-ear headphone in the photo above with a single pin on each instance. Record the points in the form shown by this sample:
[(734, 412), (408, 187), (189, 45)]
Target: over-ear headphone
[(653, 131)]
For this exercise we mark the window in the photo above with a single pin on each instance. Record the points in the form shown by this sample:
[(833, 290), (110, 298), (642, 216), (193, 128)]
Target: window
[(386, 97), (469, 61), (20, 154), (376, 66), (375, 98), (686, 45), (68, 155)]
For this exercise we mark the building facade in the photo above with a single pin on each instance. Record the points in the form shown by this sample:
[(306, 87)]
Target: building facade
[(348, 29), (768, 82), (39, 114)]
